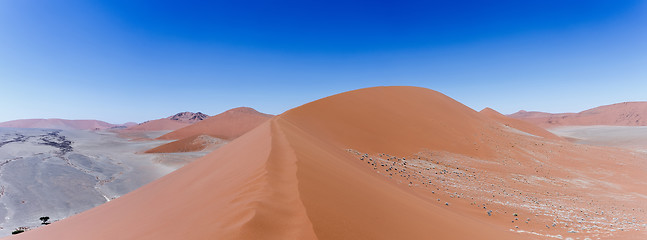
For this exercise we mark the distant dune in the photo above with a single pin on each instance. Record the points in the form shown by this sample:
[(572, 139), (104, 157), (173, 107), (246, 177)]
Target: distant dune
[(227, 125), (380, 163), (174, 122), (158, 125), (619, 114), (215, 130), (55, 123), (518, 124)]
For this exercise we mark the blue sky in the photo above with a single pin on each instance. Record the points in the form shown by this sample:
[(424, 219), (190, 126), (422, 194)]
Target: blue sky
[(121, 61)]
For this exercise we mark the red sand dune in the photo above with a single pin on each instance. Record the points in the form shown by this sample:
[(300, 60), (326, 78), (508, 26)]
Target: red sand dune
[(227, 125), (174, 122), (56, 123), (336, 169), (518, 124), (212, 131), (619, 114), (158, 125)]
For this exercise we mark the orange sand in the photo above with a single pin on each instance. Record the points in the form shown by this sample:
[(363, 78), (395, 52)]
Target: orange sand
[(227, 125), (327, 170), (212, 131)]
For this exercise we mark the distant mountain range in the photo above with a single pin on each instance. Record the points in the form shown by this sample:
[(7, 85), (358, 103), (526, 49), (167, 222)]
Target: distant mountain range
[(65, 124), (169, 123)]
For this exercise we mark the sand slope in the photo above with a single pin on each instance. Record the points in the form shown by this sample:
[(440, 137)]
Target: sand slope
[(55, 123), (279, 181), (518, 124), (619, 114), (324, 170), (398, 121), (227, 125)]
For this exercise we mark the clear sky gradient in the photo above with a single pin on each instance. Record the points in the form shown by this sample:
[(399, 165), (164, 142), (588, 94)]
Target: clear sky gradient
[(121, 61)]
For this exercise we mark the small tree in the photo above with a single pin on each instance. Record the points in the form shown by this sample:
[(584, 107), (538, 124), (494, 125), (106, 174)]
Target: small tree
[(19, 230), (44, 219)]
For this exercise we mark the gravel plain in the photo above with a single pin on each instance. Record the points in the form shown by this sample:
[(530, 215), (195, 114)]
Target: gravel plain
[(59, 173)]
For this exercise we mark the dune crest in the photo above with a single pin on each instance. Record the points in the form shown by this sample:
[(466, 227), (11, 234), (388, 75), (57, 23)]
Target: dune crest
[(374, 164), (279, 181), (212, 132), (227, 125), (398, 121)]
